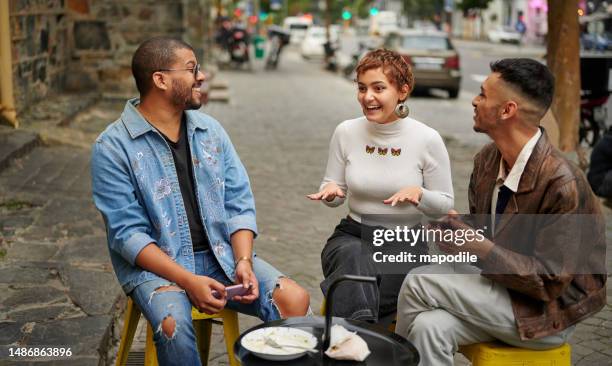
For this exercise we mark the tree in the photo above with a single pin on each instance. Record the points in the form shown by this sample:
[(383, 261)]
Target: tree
[(420, 9), (563, 60), (466, 5)]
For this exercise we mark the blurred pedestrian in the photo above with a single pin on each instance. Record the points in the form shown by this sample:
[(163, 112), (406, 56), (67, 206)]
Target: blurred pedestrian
[(520, 26), (224, 33), (386, 163)]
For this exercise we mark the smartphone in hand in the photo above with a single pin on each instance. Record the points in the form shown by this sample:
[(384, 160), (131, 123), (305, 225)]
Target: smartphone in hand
[(236, 290)]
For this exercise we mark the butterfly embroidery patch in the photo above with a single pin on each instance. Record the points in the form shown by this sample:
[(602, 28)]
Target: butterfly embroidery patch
[(383, 150)]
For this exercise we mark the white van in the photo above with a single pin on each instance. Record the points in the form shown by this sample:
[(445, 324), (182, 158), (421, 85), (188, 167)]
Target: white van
[(383, 23), (297, 27)]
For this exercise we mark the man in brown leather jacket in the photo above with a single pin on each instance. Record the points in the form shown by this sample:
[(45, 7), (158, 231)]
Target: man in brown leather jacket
[(541, 268)]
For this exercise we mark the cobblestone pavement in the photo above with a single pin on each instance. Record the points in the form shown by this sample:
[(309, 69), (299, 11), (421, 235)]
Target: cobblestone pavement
[(55, 277), (56, 284)]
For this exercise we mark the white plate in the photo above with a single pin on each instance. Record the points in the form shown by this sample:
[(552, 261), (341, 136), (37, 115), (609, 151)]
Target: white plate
[(255, 343)]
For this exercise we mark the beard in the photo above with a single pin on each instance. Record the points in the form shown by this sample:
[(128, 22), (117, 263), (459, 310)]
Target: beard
[(182, 96)]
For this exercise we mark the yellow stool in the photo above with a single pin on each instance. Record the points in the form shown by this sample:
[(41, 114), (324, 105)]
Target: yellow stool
[(499, 354), (202, 324)]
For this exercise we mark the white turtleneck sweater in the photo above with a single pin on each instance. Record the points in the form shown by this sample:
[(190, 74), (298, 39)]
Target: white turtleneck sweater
[(371, 162)]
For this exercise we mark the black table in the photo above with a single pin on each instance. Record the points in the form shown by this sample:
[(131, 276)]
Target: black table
[(386, 348)]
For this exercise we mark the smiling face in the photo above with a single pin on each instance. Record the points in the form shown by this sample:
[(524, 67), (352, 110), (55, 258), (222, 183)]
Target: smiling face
[(185, 91), (378, 96)]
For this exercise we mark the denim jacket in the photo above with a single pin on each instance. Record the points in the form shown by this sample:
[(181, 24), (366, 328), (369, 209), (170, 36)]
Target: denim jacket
[(136, 189)]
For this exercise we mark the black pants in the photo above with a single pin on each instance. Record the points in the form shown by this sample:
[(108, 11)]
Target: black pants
[(356, 300)]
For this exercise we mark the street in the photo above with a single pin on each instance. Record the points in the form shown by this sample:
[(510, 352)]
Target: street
[(280, 123)]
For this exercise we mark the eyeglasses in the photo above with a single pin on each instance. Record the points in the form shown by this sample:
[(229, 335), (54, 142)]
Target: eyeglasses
[(195, 70)]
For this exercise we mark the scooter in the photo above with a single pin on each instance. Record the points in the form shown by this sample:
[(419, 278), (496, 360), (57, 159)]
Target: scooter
[(279, 38), (331, 61), (364, 47)]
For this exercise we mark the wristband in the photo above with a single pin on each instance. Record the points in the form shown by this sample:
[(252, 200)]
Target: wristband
[(245, 258)]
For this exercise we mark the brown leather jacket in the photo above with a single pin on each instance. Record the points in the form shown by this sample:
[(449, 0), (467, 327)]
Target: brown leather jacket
[(545, 301)]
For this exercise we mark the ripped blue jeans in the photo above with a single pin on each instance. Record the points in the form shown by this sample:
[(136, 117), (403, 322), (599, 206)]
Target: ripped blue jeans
[(180, 348)]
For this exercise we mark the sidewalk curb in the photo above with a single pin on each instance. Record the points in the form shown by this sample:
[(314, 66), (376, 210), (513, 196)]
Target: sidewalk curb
[(15, 144)]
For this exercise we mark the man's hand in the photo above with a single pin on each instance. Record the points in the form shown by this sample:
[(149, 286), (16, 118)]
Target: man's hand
[(473, 245), (246, 277), (409, 194), (330, 191), (199, 289)]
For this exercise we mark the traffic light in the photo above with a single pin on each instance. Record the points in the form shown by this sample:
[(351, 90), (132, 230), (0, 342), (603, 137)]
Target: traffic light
[(346, 15), (373, 11)]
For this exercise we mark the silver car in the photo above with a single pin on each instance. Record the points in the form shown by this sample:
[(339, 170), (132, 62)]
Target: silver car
[(434, 60)]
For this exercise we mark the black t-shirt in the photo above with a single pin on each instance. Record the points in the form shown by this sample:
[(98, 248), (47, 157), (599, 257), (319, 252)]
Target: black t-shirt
[(184, 172)]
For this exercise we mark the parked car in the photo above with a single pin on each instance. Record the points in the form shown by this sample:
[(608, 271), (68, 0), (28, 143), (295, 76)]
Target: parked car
[(434, 60), (312, 45), (504, 34)]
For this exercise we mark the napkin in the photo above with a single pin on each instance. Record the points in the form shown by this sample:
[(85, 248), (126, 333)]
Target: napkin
[(345, 345)]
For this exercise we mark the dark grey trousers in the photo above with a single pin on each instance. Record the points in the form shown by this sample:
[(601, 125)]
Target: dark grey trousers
[(354, 300)]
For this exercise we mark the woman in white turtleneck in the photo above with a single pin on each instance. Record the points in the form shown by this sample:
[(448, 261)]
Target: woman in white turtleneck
[(385, 163)]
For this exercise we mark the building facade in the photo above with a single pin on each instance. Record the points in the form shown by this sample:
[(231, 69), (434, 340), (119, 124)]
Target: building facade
[(57, 46)]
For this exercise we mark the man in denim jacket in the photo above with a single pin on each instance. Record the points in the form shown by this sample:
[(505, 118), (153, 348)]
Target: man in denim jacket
[(178, 207)]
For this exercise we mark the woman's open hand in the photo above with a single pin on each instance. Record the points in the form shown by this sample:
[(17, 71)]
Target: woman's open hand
[(409, 194), (330, 191)]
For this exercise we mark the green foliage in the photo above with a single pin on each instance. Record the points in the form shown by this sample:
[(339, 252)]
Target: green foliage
[(361, 8), (466, 5), (302, 6), (422, 9)]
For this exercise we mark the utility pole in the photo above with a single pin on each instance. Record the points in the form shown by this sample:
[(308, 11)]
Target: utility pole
[(256, 11), (327, 20)]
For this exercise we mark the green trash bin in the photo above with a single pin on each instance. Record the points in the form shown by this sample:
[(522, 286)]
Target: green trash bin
[(259, 43)]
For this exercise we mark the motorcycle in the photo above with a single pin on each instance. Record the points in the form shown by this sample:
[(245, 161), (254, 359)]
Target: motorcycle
[(279, 38), (238, 47), (593, 115), (594, 74)]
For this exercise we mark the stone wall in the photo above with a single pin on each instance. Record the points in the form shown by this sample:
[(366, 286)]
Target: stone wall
[(124, 24), (39, 32), (84, 45)]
